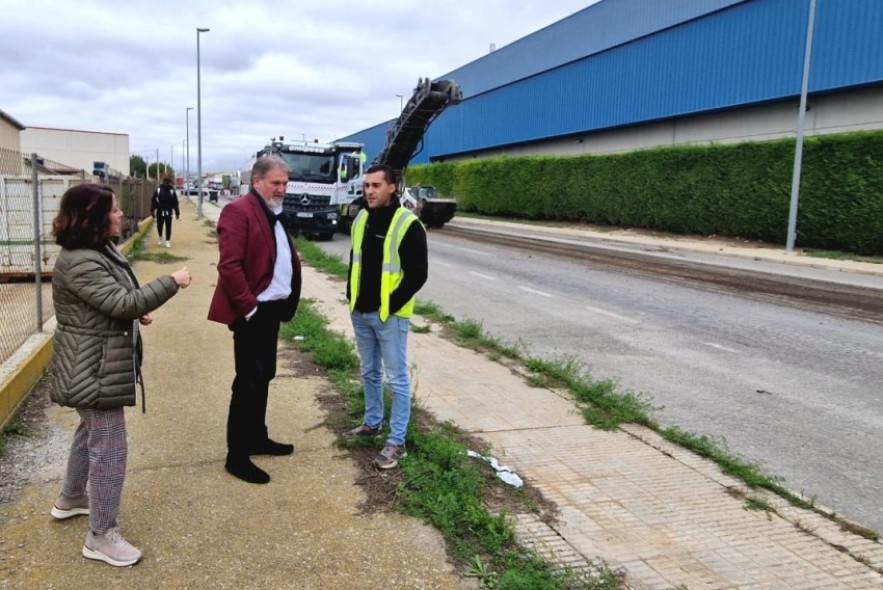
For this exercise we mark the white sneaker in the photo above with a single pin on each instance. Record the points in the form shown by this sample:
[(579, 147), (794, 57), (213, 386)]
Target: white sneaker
[(168, 244), (65, 508), (110, 548)]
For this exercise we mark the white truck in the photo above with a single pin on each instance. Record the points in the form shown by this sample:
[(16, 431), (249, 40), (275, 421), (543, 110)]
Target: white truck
[(321, 181)]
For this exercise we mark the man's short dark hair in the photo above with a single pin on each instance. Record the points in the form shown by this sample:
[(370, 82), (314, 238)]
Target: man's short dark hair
[(83, 218), (388, 173), (264, 164)]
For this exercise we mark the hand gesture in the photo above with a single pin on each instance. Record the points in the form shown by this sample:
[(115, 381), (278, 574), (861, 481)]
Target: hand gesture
[(182, 277), (145, 320)]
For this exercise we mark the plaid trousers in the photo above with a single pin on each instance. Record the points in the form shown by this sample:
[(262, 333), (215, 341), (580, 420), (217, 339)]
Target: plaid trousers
[(98, 456)]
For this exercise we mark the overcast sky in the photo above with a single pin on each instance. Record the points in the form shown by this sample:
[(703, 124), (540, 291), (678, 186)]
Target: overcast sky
[(315, 68)]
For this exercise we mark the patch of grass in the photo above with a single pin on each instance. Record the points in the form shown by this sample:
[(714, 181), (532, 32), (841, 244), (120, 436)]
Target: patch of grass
[(14, 428), (137, 250), (604, 407), (161, 257), (859, 530), (432, 311), (750, 473), (470, 333), (319, 259), (837, 255)]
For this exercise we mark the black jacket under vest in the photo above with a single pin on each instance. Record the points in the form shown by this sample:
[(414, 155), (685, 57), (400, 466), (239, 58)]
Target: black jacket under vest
[(412, 252)]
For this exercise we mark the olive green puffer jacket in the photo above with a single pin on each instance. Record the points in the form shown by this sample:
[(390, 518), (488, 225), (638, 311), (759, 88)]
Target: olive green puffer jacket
[(97, 305)]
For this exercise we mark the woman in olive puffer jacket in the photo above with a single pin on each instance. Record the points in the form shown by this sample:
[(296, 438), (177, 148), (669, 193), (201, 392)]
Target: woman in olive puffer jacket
[(99, 307)]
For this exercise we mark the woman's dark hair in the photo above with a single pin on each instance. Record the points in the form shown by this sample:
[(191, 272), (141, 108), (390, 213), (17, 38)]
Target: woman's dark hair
[(83, 218)]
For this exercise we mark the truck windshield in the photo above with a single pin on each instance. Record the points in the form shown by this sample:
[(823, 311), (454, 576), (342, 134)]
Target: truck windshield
[(310, 167)]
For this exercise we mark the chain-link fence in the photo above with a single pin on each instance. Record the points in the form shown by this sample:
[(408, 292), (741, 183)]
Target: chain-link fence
[(30, 192)]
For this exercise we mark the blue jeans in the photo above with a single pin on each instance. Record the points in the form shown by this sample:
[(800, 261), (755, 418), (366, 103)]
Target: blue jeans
[(384, 344)]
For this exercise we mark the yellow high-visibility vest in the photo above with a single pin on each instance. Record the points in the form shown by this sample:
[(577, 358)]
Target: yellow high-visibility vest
[(391, 270)]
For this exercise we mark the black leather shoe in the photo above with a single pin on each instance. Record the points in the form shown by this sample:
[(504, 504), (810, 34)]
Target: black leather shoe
[(245, 470), (271, 447)]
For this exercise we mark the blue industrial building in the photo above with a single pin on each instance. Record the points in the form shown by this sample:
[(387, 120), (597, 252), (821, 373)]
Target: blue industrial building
[(627, 74)]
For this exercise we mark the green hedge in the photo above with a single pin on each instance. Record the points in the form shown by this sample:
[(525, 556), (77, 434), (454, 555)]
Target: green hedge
[(740, 190)]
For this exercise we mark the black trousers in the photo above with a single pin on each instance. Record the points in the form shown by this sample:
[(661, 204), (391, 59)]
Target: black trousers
[(254, 351), (164, 219)]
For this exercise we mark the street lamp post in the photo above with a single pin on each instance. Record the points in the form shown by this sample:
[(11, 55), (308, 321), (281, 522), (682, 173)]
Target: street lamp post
[(199, 128), (401, 102), (187, 166), (791, 236)]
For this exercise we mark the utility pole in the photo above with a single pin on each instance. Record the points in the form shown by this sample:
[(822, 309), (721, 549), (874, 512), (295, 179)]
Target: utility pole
[(801, 118)]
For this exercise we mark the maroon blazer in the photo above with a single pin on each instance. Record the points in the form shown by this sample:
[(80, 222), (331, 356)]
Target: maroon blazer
[(247, 249)]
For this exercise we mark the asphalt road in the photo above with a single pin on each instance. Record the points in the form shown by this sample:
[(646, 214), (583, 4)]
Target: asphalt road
[(796, 390)]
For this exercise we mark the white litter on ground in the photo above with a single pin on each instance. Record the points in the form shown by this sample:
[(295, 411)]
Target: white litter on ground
[(503, 472)]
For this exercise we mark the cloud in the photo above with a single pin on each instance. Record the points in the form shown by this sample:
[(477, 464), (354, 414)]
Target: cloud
[(268, 67)]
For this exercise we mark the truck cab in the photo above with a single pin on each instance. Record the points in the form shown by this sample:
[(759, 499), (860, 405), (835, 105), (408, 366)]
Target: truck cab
[(321, 178)]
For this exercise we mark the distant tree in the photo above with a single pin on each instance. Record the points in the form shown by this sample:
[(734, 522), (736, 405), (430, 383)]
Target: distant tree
[(164, 169), (137, 165)]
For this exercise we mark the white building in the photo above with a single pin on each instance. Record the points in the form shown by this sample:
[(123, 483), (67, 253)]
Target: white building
[(79, 149)]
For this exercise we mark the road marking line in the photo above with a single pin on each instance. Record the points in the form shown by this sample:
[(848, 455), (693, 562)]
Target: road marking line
[(471, 251), (719, 347), (612, 315), (534, 291), (481, 276)]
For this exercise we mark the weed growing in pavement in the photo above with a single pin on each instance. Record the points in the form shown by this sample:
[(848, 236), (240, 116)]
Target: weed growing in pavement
[(136, 251), (606, 408), (431, 311), (750, 473), (14, 428), (440, 483), (319, 259), (856, 529), (161, 257), (837, 255)]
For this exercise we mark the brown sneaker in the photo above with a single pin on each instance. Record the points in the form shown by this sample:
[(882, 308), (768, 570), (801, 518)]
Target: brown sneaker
[(389, 456), (110, 548), (363, 430), (67, 507)]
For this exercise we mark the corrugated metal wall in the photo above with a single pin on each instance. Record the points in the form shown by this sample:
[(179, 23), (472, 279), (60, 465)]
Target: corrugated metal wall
[(748, 53), (599, 27), (848, 43)]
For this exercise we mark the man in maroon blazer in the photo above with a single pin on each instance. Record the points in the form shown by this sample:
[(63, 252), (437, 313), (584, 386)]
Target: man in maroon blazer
[(259, 281)]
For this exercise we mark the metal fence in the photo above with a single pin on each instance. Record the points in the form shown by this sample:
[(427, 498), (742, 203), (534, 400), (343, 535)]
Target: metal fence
[(30, 192)]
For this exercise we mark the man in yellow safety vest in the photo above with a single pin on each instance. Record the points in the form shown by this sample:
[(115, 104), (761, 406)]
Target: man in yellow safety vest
[(388, 265)]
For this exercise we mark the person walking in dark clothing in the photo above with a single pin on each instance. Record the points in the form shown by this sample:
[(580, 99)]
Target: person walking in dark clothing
[(162, 205), (259, 282)]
